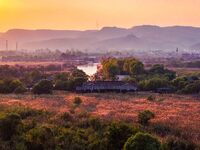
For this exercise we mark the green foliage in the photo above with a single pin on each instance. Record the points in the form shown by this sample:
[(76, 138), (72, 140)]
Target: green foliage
[(153, 84), (151, 98), (66, 116), (62, 76), (192, 88), (118, 133), (113, 67), (43, 87), (9, 86), (145, 116), (160, 70), (62, 85), (69, 82), (77, 101), (178, 144), (136, 68), (40, 138), (8, 125), (29, 129), (180, 82), (78, 74), (20, 90), (15, 84), (26, 112), (142, 141)]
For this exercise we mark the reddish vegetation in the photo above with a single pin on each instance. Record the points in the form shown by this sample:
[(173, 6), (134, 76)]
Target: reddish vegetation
[(177, 111), (30, 63)]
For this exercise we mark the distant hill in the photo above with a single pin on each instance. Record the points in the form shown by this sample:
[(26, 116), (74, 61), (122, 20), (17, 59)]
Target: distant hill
[(195, 46), (139, 37)]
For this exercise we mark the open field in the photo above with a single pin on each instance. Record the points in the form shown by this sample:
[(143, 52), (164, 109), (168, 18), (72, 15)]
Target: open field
[(31, 63), (177, 111)]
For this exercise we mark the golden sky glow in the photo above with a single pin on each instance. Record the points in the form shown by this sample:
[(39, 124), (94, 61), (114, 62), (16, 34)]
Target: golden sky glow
[(84, 14)]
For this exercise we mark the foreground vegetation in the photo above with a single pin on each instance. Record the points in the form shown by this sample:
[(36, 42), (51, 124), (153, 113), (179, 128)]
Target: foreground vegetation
[(98, 121), (29, 129)]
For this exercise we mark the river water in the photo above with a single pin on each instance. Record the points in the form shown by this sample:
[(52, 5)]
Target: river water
[(89, 69)]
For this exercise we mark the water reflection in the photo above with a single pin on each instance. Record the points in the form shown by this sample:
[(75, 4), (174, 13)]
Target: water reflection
[(89, 69)]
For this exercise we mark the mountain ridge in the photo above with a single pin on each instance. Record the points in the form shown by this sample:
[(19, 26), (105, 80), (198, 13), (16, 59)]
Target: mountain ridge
[(148, 37)]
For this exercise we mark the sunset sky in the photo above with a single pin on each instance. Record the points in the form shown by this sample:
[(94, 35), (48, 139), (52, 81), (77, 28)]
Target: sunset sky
[(92, 14)]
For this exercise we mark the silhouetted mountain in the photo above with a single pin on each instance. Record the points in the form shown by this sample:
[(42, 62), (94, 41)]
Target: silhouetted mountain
[(63, 44), (125, 42), (139, 37)]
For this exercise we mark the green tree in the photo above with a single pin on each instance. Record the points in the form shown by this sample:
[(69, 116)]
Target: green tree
[(157, 69), (192, 88), (145, 116), (8, 125), (20, 90), (43, 87), (153, 84), (142, 141), (118, 133), (15, 84), (40, 138), (136, 68)]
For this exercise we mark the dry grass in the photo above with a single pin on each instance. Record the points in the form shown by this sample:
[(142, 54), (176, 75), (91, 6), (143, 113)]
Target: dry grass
[(31, 63), (178, 111)]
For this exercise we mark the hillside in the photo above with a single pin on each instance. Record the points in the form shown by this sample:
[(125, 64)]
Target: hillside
[(139, 37)]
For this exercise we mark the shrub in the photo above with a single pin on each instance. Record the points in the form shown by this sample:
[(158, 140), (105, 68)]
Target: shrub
[(43, 87), (15, 84), (173, 143), (151, 98), (66, 116), (3, 87), (62, 85), (145, 116), (153, 84), (118, 133), (8, 125), (20, 90), (77, 101), (40, 138), (192, 88), (142, 141)]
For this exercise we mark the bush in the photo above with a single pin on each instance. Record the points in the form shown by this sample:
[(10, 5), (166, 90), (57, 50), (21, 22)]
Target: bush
[(153, 84), (62, 85), (145, 116), (173, 143), (43, 87), (151, 98), (40, 138), (118, 133), (8, 125), (193, 88), (15, 84), (77, 101), (20, 90), (66, 116), (142, 141)]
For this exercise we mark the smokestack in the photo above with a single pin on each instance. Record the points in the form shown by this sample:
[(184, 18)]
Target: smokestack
[(6, 45), (16, 46)]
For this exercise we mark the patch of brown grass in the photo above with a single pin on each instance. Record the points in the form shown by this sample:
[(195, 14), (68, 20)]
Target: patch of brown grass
[(178, 111)]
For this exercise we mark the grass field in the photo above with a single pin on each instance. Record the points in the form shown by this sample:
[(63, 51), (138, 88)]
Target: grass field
[(179, 112)]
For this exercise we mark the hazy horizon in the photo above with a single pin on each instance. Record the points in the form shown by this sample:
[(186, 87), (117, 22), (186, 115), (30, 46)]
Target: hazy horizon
[(63, 29), (84, 15)]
